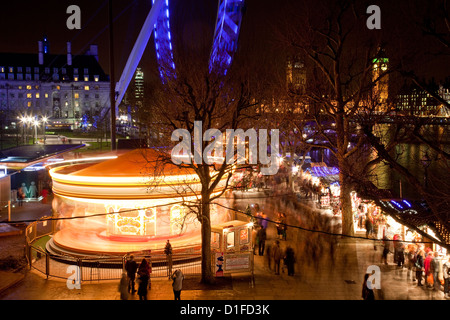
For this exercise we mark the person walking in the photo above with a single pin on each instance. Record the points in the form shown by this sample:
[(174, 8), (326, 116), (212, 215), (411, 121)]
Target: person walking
[(279, 226), (144, 277), (446, 274), (131, 268), (399, 252), (177, 284), (269, 255), (262, 240), (284, 227), (254, 239), (419, 266), (386, 249), (290, 260), (369, 225), (168, 253), (123, 286), (276, 256), (411, 260), (367, 293), (21, 194), (427, 267), (434, 268)]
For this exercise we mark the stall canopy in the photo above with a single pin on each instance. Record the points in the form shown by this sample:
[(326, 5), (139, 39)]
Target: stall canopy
[(326, 174), (411, 213), (414, 213)]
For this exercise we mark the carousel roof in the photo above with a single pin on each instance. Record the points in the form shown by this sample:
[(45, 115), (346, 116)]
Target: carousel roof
[(138, 162), (137, 174)]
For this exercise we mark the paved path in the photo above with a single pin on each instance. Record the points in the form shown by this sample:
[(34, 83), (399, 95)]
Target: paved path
[(324, 278)]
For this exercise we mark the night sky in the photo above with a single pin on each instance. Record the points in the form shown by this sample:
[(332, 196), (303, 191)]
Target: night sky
[(25, 22)]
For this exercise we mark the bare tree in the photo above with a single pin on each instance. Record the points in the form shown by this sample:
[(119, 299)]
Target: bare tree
[(197, 99), (339, 57)]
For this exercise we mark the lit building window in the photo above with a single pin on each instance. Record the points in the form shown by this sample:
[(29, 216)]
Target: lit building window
[(37, 95), (58, 87), (28, 87), (75, 78), (46, 95), (86, 78), (86, 88), (76, 95), (29, 95), (29, 104), (96, 78)]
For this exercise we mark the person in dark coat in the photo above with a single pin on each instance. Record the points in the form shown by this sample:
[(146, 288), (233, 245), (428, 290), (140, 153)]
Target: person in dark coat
[(168, 253), (290, 260), (131, 268), (144, 277), (262, 240), (276, 253), (419, 267)]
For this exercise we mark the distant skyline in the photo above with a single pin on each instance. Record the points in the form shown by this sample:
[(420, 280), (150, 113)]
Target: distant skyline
[(27, 21), (30, 20)]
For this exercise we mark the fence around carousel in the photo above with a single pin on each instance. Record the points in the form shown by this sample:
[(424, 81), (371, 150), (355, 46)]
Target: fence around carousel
[(97, 268)]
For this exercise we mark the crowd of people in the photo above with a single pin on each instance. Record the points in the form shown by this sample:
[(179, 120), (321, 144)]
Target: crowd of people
[(422, 263), (143, 271), (273, 252)]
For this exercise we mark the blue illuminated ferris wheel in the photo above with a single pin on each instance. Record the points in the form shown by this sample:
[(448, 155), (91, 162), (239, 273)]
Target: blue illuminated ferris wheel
[(226, 34)]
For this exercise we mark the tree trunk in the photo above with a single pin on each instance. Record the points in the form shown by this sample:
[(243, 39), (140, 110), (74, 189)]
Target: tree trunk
[(207, 275), (346, 205)]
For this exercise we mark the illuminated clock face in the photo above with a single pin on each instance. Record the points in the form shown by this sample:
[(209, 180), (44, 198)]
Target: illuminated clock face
[(383, 67)]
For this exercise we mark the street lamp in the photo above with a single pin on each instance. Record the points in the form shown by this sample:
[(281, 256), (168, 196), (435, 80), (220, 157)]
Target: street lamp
[(27, 122), (44, 121), (36, 123), (426, 161)]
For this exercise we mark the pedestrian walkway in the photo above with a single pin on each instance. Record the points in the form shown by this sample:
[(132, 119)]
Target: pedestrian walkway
[(339, 281), (337, 275)]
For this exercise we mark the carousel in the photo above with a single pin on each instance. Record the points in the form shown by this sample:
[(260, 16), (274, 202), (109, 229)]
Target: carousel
[(127, 203)]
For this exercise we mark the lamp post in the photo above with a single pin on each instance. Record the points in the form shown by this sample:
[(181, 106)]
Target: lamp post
[(35, 123), (44, 122), (426, 161), (27, 122)]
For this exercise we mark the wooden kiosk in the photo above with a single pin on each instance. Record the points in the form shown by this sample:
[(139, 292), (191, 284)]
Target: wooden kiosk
[(231, 244)]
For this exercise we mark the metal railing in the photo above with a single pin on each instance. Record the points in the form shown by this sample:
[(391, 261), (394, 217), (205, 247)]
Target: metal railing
[(99, 268)]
